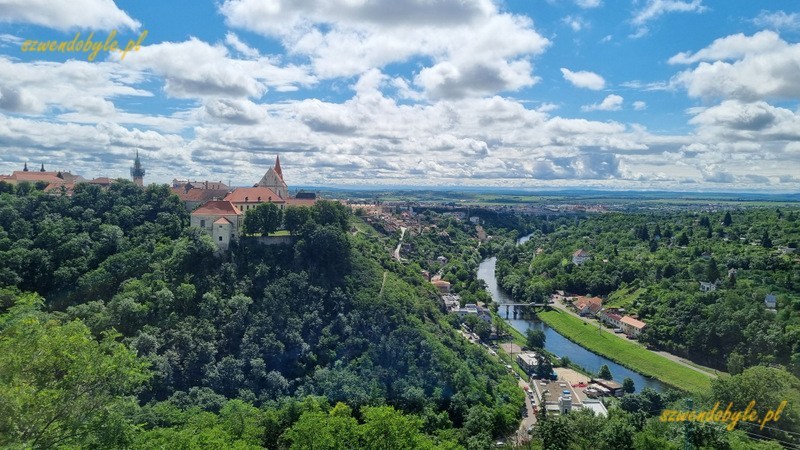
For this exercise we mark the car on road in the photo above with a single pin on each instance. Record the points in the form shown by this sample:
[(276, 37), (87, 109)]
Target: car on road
[(617, 330)]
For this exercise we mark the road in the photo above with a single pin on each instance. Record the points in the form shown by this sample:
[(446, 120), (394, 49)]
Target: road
[(557, 303), (396, 253)]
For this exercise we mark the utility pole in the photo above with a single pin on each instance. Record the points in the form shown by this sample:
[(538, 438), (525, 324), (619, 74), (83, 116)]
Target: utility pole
[(687, 427)]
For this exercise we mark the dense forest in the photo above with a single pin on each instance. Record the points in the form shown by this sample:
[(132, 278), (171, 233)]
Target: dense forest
[(287, 330), (652, 265)]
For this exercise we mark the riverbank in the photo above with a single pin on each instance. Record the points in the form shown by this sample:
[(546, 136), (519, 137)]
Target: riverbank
[(628, 354)]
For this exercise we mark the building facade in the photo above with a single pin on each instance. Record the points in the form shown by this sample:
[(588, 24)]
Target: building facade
[(221, 220)]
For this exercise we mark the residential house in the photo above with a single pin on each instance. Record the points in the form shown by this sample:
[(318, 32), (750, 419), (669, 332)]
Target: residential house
[(528, 361), (608, 387), (442, 286), (707, 287), (770, 301), (610, 316), (631, 327), (588, 306), (580, 256), (220, 219)]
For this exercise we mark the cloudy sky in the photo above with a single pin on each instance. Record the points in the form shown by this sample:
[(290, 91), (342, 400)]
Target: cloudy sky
[(631, 94)]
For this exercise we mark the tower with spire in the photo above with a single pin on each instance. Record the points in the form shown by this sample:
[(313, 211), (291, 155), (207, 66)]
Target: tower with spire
[(137, 172), (273, 179)]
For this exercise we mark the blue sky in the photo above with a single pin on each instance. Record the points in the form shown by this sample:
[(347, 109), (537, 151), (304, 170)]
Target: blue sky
[(629, 94)]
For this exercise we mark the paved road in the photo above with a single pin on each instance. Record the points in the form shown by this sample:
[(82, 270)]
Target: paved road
[(557, 303), (396, 253)]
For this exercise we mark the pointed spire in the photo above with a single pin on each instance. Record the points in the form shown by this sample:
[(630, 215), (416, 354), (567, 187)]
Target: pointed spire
[(42, 169), (278, 166), (25, 169)]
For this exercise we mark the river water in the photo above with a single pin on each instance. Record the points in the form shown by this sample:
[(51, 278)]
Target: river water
[(556, 343)]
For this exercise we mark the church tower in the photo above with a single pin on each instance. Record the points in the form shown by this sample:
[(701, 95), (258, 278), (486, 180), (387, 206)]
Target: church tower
[(273, 179), (137, 172)]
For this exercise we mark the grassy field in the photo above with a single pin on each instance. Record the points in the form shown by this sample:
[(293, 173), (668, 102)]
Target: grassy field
[(628, 354)]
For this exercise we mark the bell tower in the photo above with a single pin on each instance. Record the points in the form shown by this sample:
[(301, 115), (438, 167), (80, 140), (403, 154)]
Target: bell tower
[(137, 172)]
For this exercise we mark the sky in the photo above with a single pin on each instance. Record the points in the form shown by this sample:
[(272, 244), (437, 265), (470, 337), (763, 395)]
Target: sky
[(686, 95)]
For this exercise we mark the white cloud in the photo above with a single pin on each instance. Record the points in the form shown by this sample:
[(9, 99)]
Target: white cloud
[(763, 66), (639, 105), (778, 20), (612, 102), (575, 22), (584, 79), (735, 121), (194, 68), (234, 42), (588, 3), (64, 15), (714, 174), (474, 49), (735, 46), (656, 8)]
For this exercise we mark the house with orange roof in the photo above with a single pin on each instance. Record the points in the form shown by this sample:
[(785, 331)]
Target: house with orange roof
[(245, 199), (220, 219), (631, 327), (588, 306)]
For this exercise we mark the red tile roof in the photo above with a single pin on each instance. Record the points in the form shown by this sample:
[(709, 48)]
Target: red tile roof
[(253, 194), (216, 207), (222, 221), (593, 303), (300, 201), (580, 252), (638, 324), (199, 195)]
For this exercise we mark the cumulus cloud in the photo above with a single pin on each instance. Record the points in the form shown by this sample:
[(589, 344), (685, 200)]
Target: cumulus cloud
[(612, 102), (64, 15), (195, 68), (72, 86), (714, 174), (639, 105), (236, 111), (584, 79), (764, 66), (733, 120), (474, 49)]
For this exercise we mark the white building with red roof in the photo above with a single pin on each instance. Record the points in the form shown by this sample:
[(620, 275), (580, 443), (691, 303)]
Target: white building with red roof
[(245, 199), (220, 219)]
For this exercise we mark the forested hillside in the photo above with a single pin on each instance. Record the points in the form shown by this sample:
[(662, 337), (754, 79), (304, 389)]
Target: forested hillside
[(652, 264), (168, 333)]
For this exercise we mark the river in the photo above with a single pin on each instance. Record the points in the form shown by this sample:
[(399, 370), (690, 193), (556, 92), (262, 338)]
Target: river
[(558, 344)]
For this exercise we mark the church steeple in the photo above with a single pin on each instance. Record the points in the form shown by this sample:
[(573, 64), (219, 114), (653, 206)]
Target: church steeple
[(25, 168), (137, 172), (278, 166), (42, 169)]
